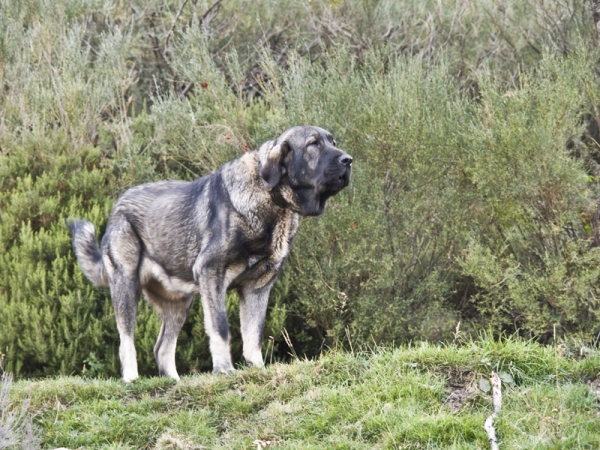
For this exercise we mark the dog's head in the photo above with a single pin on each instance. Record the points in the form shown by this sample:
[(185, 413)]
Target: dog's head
[(307, 160)]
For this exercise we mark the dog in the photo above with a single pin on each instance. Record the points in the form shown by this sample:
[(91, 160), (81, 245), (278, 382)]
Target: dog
[(231, 229)]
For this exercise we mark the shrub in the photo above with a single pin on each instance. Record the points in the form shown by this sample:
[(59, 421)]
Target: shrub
[(56, 139), (438, 174)]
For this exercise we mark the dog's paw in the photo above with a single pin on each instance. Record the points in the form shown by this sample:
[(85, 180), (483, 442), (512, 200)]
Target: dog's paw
[(129, 379), (173, 375), (223, 370), (254, 359), (257, 362), (167, 370)]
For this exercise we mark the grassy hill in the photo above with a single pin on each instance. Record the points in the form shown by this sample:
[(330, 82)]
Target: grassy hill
[(418, 396)]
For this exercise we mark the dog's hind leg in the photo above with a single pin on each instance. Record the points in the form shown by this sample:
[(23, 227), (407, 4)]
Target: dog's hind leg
[(121, 256), (173, 315), (125, 292)]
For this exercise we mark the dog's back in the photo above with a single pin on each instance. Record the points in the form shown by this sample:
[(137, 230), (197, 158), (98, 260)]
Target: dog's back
[(132, 209)]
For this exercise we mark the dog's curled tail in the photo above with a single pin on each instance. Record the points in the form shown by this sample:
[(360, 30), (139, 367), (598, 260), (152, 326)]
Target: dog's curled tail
[(87, 251)]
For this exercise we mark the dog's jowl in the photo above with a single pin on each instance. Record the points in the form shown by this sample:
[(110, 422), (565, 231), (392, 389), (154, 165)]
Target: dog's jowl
[(232, 229)]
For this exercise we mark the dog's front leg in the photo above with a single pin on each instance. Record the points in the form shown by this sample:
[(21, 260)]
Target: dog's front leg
[(211, 279), (253, 310)]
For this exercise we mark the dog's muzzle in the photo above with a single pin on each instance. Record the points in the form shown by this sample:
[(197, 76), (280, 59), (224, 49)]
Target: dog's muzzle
[(345, 162)]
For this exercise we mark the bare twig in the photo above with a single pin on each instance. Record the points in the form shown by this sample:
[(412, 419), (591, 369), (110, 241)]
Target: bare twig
[(205, 19), (173, 27), (488, 425), (187, 89), (210, 13), (596, 14)]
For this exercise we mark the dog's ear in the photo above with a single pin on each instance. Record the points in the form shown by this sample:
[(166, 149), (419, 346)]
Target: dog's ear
[(271, 157)]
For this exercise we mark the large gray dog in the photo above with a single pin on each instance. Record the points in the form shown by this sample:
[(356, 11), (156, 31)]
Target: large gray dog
[(232, 229)]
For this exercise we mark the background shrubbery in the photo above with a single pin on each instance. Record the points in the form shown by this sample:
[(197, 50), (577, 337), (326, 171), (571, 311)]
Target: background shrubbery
[(474, 198)]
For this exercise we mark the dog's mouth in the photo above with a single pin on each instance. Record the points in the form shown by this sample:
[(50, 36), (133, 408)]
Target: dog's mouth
[(313, 197), (341, 181), (345, 178)]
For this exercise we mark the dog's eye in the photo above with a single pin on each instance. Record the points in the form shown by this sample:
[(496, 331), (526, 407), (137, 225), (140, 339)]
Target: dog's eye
[(313, 143)]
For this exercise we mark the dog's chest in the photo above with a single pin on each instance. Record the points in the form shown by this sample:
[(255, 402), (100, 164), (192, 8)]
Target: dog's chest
[(263, 253), (274, 240)]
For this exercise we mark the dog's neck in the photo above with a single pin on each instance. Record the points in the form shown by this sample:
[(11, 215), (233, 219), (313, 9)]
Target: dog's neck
[(284, 197)]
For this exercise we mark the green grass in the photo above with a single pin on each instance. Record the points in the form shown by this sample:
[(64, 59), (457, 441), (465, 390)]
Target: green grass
[(394, 398)]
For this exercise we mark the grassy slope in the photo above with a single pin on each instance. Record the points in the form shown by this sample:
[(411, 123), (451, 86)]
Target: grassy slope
[(382, 399)]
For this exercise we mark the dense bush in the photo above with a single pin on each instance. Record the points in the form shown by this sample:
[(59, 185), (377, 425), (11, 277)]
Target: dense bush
[(473, 197), (460, 209)]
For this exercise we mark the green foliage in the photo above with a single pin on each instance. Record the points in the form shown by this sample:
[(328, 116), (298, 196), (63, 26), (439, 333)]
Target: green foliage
[(533, 259), (56, 93), (437, 177), (473, 195)]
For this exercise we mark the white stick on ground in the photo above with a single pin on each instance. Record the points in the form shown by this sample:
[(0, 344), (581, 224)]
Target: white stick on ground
[(488, 426)]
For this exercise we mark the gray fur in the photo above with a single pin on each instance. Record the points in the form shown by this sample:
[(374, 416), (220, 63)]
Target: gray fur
[(88, 254), (232, 229)]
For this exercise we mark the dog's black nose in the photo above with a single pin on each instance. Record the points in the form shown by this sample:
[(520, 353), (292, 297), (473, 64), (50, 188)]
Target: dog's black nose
[(346, 160)]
